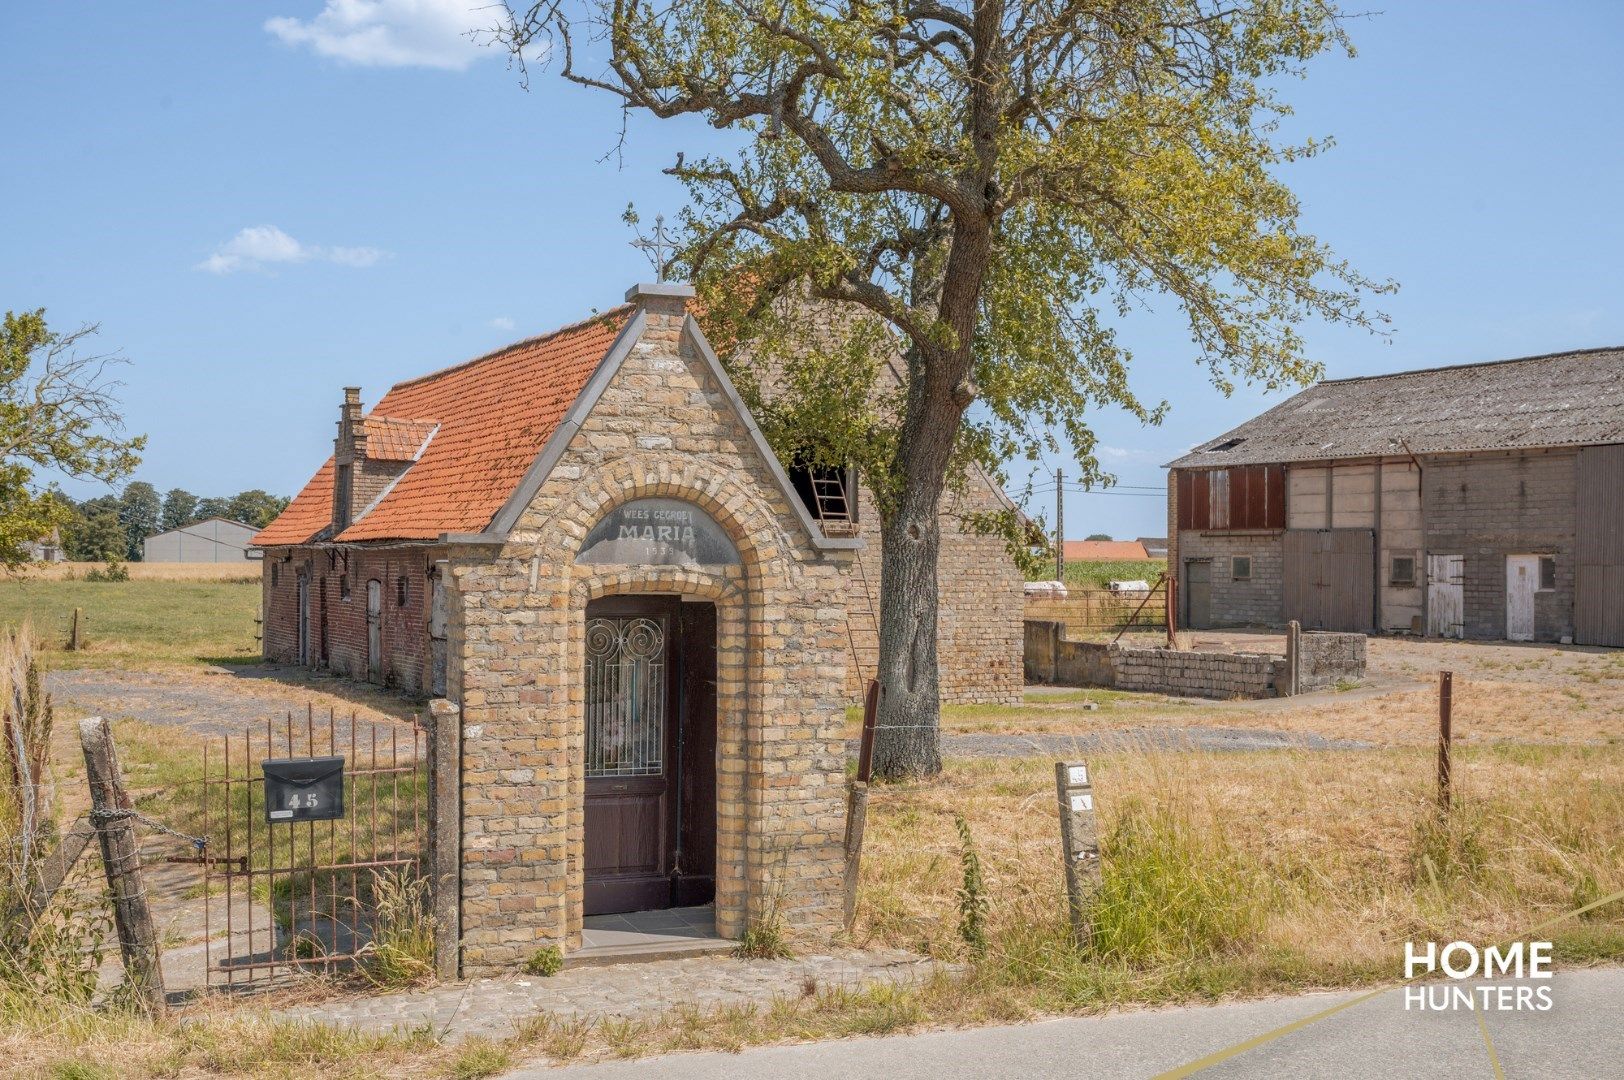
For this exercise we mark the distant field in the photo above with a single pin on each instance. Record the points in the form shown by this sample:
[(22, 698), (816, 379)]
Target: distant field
[(134, 622), (1094, 575), (144, 571)]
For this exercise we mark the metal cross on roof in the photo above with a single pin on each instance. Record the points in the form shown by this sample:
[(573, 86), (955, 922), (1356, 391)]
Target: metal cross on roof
[(658, 246)]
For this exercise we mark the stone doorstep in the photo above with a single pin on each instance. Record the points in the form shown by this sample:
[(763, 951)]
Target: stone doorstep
[(669, 949)]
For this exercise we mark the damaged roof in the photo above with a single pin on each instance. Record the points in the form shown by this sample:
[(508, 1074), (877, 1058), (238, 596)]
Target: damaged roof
[(1559, 399)]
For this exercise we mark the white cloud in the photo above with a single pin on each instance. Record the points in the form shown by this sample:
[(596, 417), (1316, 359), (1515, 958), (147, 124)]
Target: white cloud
[(502, 322), (445, 34), (261, 246)]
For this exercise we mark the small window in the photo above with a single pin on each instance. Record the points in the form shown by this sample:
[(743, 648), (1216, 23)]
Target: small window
[(1240, 568), (1227, 444), (1547, 572), (400, 591), (275, 577), (1403, 572), (344, 587)]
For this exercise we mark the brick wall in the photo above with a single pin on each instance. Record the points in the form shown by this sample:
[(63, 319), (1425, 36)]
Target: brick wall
[(1488, 506), (1253, 602), (338, 626), (516, 636)]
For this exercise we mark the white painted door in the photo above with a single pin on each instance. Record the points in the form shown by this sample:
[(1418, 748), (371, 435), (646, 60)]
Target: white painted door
[(1446, 584), (1522, 580)]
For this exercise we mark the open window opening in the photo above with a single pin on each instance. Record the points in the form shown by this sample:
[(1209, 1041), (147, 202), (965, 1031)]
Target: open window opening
[(829, 492)]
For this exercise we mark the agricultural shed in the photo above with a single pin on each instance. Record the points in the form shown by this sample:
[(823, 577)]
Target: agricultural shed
[(214, 539), (1473, 501)]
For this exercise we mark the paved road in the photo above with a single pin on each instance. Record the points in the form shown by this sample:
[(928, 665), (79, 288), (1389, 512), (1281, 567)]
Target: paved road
[(1580, 1037), (1134, 738)]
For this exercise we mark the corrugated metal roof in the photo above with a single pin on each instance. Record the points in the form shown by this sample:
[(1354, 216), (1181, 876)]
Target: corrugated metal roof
[(1561, 399)]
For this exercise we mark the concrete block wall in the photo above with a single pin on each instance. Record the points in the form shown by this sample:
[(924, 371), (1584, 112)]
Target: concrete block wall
[(1488, 506), (1325, 658), (1196, 674), (1254, 602)]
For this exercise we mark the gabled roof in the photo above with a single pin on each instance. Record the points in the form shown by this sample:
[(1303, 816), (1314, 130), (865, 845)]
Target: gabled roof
[(502, 422), (493, 413), (1560, 399)]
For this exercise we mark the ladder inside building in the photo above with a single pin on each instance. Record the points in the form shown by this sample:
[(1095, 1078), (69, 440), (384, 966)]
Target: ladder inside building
[(832, 502)]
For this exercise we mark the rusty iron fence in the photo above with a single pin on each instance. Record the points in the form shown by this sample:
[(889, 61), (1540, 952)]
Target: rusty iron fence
[(284, 897)]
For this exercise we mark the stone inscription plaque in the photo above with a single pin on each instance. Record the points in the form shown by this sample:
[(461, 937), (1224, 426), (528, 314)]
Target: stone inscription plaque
[(658, 532)]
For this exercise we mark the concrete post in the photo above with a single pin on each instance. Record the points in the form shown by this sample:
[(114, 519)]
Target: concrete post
[(445, 834)]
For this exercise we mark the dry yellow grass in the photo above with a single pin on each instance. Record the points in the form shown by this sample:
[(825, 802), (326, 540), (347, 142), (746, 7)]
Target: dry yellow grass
[(144, 571)]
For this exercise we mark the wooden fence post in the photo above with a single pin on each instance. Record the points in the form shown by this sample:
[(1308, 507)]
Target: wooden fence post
[(1446, 694), (1079, 843), (445, 835), (76, 639), (112, 814), (857, 801), (1294, 658)]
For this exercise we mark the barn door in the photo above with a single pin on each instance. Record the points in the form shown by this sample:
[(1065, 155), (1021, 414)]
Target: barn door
[(375, 628), (1198, 595), (1522, 579), (1598, 597), (1330, 579), (1446, 600)]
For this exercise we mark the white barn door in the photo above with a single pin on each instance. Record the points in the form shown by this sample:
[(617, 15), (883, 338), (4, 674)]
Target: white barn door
[(1522, 580), (1446, 601)]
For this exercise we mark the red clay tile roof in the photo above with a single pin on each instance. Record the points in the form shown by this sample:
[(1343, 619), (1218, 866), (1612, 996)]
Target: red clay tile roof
[(495, 413), (389, 439), (309, 513), (1104, 550)]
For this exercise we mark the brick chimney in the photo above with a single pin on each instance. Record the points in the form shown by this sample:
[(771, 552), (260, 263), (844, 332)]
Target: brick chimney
[(349, 451)]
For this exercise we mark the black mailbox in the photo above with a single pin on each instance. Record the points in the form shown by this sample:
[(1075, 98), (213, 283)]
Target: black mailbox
[(304, 789)]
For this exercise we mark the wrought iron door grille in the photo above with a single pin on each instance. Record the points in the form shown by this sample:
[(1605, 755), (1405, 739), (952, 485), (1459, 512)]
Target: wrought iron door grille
[(625, 697)]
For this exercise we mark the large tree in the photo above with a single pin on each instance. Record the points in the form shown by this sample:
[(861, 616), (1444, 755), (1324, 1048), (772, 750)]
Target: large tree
[(180, 508), (255, 507), (991, 181), (59, 411), (139, 512)]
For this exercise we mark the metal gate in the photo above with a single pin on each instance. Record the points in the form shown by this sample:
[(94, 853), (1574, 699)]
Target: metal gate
[(1598, 600), (288, 896), (1330, 578)]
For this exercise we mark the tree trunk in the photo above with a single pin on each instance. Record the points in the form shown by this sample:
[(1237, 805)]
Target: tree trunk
[(906, 742)]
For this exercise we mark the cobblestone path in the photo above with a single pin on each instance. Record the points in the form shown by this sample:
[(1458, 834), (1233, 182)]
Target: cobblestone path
[(494, 1006)]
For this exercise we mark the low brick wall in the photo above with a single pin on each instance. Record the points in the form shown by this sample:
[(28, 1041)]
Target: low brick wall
[(1324, 660)]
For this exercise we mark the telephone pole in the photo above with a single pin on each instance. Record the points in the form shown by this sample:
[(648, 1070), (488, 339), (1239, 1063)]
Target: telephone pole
[(1060, 526)]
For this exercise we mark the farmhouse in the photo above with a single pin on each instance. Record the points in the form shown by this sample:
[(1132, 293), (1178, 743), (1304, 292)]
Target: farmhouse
[(651, 627), (1481, 501), (214, 539)]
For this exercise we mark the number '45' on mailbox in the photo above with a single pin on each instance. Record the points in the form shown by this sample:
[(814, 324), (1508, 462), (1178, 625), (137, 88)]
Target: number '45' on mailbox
[(304, 789)]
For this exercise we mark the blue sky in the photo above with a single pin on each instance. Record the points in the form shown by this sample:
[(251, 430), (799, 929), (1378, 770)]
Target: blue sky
[(408, 205)]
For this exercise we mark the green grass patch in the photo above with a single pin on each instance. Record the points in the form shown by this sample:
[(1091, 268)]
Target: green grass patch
[(137, 622)]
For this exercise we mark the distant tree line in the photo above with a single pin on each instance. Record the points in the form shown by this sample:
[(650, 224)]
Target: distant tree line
[(114, 526)]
